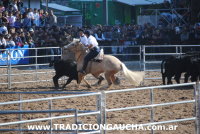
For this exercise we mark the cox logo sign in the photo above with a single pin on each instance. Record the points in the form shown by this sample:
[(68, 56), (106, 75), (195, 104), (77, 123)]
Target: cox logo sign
[(16, 56)]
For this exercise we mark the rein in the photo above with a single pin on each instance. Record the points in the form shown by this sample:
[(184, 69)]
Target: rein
[(78, 57)]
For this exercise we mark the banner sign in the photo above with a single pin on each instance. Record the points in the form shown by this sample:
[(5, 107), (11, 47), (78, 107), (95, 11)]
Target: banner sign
[(17, 56)]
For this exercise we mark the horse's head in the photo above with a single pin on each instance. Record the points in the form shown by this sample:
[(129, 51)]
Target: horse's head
[(75, 46)]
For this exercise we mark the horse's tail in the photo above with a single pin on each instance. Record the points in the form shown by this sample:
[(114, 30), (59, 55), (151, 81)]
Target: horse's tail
[(134, 77)]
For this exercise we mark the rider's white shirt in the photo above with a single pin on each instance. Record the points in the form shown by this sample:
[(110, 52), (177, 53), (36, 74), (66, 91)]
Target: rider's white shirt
[(84, 40), (92, 40)]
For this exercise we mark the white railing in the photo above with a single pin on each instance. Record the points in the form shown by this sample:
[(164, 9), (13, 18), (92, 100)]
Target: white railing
[(142, 54), (36, 55), (102, 109), (77, 113)]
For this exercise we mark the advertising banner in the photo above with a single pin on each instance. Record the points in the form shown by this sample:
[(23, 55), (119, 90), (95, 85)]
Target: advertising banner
[(17, 56)]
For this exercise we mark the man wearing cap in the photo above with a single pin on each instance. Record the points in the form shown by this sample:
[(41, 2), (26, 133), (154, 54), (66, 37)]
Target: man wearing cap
[(92, 44)]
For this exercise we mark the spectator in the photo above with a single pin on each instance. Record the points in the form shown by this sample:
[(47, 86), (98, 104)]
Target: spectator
[(192, 39), (184, 36), (157, 37), (2, 8), (99, 36), (15, 7), (9, 41), (2, 42), (32, 34), (18, 23), (12, 31), (20, 5), (23, 37), (197, 32), (27, 22), (3, 18), (51, 18), (36, 19), (3, 29), (11, 19), (145, 37), (29, 40), (30, 15), (41, 17), (17, 40), (6, 3), (107, 32)]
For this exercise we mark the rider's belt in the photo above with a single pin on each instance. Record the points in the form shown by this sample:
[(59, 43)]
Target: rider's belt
[(94, 48)]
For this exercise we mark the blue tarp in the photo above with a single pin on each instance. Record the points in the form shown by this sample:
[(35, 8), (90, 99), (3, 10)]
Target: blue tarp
[(16, 56)]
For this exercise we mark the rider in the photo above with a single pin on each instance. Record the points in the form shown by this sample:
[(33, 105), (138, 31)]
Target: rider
[(83, 38), (92, 44)]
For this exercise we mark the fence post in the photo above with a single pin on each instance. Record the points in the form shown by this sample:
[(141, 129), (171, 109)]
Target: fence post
[(36, 65), (76, 120), (9, 69), (152, 109), (103, 111), (50, 115), (181, 50), (98, 108), (140, 56), (144, 58), (20, 115), (197, 107), (177, 50)]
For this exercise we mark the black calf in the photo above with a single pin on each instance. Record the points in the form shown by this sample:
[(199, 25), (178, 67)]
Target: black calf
[(174, 67), (64, 68)]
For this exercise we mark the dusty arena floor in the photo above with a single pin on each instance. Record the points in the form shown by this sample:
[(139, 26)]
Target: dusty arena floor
[(114, 100)]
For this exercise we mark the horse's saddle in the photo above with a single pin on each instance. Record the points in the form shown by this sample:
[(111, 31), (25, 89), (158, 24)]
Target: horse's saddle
[(99, 57)]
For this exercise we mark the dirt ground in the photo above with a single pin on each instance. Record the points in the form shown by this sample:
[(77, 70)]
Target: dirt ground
[(114, 100)]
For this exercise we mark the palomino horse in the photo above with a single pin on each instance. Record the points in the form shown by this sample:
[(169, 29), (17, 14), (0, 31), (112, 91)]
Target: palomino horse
[(110, 65)]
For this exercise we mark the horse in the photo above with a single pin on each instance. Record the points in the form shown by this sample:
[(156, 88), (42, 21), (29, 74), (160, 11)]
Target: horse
[(110, 65)]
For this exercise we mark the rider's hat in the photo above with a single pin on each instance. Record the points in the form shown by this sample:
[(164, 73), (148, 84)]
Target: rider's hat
[(88, 33), (81, 30)]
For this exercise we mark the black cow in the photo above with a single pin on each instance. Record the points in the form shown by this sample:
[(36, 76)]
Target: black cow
[(195, 70), (64, 68), (174, 67)]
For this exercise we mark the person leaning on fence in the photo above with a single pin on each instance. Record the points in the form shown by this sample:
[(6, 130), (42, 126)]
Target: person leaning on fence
[(100, 37), (94, 50)]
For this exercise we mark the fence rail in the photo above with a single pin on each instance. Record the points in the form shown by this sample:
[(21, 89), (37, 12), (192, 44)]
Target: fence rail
[(102, 109), (146, 55), (38, 57)]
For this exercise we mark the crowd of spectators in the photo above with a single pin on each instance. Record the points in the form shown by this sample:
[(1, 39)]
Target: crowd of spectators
[(18, 25), (38, 28)]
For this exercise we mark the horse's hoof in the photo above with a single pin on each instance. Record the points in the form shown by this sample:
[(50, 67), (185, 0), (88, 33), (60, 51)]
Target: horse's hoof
[(89, 87), (117, 81), (108, 86)]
